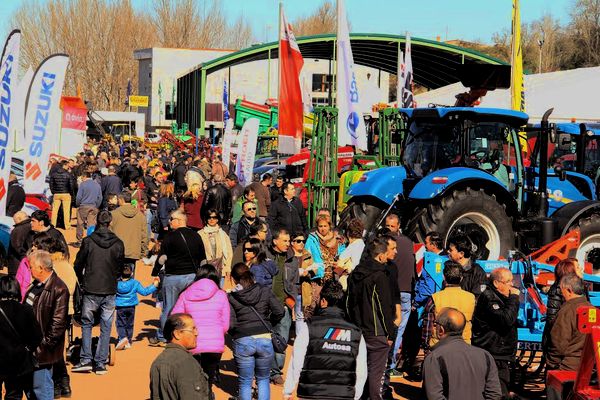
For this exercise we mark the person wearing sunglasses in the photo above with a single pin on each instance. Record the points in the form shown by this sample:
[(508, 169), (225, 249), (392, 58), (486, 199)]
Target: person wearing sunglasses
[(175, 374), (255, 257), (241, 229), (219, 252)]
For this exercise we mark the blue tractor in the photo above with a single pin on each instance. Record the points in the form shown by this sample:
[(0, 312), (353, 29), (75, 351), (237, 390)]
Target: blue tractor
[(463, 171)]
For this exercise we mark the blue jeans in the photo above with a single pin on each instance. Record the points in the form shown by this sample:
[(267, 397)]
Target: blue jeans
[(405, 304), (253, 357), (124, 323), (91, 305), (172, 286), (43, 385), (283, 328)]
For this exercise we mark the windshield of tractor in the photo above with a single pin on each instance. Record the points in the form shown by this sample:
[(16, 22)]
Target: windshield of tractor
[(431, 145), (489, 146)]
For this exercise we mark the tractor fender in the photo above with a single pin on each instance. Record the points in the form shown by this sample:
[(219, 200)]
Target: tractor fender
[(382, 183), (568, 215), (439, 182)]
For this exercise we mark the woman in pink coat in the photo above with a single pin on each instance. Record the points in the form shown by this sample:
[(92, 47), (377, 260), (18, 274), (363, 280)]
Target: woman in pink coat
[(209, 307)]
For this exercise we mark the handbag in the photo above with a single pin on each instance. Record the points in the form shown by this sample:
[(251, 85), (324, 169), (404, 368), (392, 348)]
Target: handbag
[(30, 362), (279, 342)]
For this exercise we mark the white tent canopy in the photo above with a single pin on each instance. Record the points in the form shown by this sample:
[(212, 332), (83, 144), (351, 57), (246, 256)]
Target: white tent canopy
[(573, 94)]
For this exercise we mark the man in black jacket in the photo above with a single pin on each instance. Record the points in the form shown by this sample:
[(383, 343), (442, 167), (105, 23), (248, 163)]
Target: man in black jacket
[(495, 323), (287, 212), (333, 341), (460, 250), (20, 241), (62, 186), (371, 308), (241, 230), (97, 266), (15, 196), (181, 252), (40, 222)]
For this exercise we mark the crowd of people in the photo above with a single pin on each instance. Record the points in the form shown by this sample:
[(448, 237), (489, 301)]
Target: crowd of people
[(241, 262)]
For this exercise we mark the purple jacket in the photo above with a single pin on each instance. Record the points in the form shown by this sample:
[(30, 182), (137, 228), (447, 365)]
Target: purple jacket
[(209, 307)]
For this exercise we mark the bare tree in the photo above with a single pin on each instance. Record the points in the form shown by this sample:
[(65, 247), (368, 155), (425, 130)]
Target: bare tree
[(323, 20), (100, 41), (585, 31), (181, 23)]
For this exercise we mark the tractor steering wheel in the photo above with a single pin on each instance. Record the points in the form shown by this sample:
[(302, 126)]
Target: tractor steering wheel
[(478, 157)]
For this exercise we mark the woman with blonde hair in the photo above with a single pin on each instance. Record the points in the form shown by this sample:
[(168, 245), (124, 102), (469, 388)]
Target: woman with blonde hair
[(191, 202), (324, 244)]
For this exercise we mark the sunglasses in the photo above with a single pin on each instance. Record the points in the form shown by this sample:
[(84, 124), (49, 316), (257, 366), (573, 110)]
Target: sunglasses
[(299, 241), (248, 250), (213, 217), (251, 209)]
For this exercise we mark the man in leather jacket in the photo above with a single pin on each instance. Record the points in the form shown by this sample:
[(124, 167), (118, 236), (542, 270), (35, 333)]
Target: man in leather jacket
[(49, 297)]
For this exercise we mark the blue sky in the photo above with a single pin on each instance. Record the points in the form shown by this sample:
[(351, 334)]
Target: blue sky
[(458, 19)]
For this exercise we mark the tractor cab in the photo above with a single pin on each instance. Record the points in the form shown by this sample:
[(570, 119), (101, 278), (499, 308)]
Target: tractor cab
[(484, 139), (573, 153)]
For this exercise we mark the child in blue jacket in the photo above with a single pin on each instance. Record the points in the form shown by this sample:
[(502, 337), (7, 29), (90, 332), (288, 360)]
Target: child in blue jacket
[(125, 303)]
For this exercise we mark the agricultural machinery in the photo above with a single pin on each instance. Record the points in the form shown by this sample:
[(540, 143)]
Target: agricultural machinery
[(463, 171), (530, 275)]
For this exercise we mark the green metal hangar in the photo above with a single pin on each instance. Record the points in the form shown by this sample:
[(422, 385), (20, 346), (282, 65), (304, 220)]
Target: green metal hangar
[(435, 64)]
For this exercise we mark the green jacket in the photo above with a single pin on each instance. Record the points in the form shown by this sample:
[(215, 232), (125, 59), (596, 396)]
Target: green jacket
[(176, 375), (237, 209)]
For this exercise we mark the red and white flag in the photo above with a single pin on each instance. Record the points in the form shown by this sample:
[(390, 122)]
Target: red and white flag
[(290, 93)]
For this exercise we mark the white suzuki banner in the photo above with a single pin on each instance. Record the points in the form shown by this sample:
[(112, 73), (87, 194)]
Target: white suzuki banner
[(9, 68), (43, 119), (227, 141)]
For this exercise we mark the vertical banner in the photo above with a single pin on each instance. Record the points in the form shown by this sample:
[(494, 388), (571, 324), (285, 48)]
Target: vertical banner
[(351, 126), (9, 67), (517, 89), (405, 81), (227, 141), (291, 118), (246, 154), (43, 119)]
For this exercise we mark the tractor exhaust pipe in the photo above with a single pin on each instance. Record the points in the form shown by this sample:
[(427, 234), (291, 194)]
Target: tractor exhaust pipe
[(543, 167)]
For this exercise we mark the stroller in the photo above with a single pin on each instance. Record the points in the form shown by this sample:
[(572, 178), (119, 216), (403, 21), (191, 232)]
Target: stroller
[(74, 343)]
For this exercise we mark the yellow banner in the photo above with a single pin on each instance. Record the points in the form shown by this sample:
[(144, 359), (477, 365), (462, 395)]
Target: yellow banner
[(138, 101), (517, 88)]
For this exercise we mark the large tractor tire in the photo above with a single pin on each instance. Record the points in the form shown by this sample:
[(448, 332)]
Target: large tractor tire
[(468, 211), (367, 210), (589, 247)]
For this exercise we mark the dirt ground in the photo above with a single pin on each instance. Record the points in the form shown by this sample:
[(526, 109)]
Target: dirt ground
[(129, 377)]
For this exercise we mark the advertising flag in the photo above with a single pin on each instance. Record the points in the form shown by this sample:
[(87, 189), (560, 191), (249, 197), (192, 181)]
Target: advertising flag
[(43, 119), (351, 126), (405, 80), (228, 138), (517, 89), (225, 102), (291, 118), (9, 69), (246, 154), (129, 92)]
